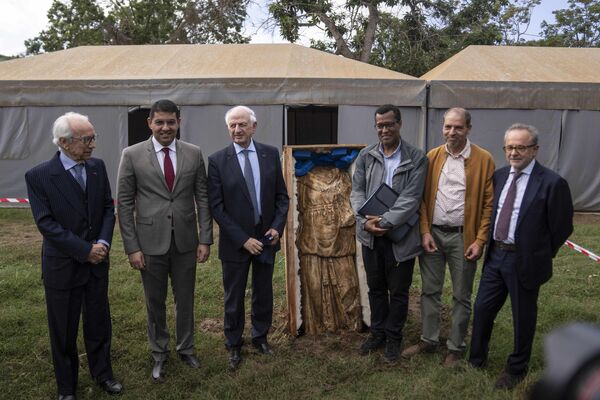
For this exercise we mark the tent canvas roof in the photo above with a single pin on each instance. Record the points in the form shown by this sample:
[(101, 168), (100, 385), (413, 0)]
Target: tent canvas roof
[(520, 64), (190, 62), (518, 77), (202, 74)]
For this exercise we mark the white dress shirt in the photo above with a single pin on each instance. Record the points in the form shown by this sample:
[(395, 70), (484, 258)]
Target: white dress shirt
[(161, 154), (452, 185), (521, 186)]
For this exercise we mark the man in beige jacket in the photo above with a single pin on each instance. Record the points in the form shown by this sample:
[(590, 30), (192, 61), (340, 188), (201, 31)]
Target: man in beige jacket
[(454, 219)]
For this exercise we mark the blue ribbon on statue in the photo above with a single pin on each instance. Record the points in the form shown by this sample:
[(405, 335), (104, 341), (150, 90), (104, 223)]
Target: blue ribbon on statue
[(306, 160)]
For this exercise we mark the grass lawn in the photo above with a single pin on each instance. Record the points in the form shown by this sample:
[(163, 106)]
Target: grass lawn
[(303, 368)]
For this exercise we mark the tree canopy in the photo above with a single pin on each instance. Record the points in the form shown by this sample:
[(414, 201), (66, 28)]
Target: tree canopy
[(576, 26), (410, 36), (85, 22)]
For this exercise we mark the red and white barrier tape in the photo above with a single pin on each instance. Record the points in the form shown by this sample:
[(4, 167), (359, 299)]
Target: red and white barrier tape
[(583, 251), (568, 243), (13, 200)]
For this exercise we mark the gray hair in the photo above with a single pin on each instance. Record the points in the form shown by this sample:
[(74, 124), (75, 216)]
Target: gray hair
[(518, 126), (459, 110), (244, 108), (62, 126)]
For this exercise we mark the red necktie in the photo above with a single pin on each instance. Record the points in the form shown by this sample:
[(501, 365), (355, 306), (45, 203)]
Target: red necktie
[(507, 209), (169, 173)]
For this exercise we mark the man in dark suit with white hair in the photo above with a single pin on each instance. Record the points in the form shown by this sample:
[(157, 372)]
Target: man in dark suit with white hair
[(73, 209)]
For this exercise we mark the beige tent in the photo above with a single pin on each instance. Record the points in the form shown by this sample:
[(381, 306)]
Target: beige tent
[(555, 89), (109, 83), (201, 74)]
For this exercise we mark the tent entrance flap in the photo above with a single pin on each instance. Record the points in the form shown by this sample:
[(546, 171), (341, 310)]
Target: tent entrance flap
[(312, 125)]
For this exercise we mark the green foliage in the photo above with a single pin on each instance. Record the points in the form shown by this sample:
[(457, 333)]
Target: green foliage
[(85, 22), (413, 36), (410, 36), (576, 26), (76, 23), (326, 366)]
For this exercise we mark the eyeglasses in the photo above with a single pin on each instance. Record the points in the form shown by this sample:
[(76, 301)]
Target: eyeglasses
[(518, 149), (388, 125), (86, 139)]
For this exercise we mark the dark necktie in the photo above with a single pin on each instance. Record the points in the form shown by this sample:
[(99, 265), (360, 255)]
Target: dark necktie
[(249, 178), (79, 175), (169, 173), (507, 209)]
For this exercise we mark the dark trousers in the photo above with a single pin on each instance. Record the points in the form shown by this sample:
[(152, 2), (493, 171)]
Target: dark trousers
[(64, 308), (499, 279), (235, 278), (389, 282)]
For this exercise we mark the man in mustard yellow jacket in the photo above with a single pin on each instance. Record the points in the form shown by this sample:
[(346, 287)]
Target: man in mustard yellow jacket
[(454, 220)]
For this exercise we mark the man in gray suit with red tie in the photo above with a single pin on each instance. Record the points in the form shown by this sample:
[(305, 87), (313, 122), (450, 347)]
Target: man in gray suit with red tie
[(532, 217), (73, 209), (166, 227), (249, 200)]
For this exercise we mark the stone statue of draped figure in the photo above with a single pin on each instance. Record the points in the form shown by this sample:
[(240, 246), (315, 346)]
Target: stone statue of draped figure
[(326, 245)]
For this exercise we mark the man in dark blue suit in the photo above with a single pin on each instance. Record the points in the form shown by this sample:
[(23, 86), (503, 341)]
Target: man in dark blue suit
[(73, 209), (248, 199), (532, 218)]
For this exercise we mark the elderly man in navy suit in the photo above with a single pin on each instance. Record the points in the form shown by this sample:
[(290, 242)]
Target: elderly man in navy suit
[(532, 218), (73, 209), (248, 199)]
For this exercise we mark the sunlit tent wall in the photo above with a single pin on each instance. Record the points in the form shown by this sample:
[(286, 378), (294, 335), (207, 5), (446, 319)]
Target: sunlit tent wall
[(555, 89), (108, 83)]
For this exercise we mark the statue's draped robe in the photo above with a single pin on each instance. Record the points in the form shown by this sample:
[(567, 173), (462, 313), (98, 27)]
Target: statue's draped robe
[(326, 248)]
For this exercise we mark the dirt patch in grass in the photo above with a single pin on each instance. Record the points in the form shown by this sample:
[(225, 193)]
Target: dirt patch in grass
[(19, 234), (587, 218), (211, 325)]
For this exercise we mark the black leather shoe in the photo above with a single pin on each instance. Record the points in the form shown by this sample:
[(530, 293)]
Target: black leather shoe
[(507, 381), (158, 370), (372, 343), (111, 386), (67, 397), (391, 354), (190, 359), (263, 348), (235, 358)]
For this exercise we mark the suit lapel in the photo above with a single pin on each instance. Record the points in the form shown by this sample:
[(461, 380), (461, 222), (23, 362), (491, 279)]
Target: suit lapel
[(91, 185), (180, 163), (66, 185), (236, 171), (535, 181), (262, 165), (502, 178)]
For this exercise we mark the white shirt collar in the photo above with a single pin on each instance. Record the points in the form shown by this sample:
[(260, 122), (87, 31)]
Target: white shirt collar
[(239, 148), (527, 170), (66, 161), (465, 153), (158, 147)]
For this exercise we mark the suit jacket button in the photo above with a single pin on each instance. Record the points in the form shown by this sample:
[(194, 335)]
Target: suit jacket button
[(168, 217)]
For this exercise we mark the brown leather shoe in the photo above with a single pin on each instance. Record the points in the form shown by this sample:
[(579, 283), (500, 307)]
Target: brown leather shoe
[(452, 358), (421, 347)]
